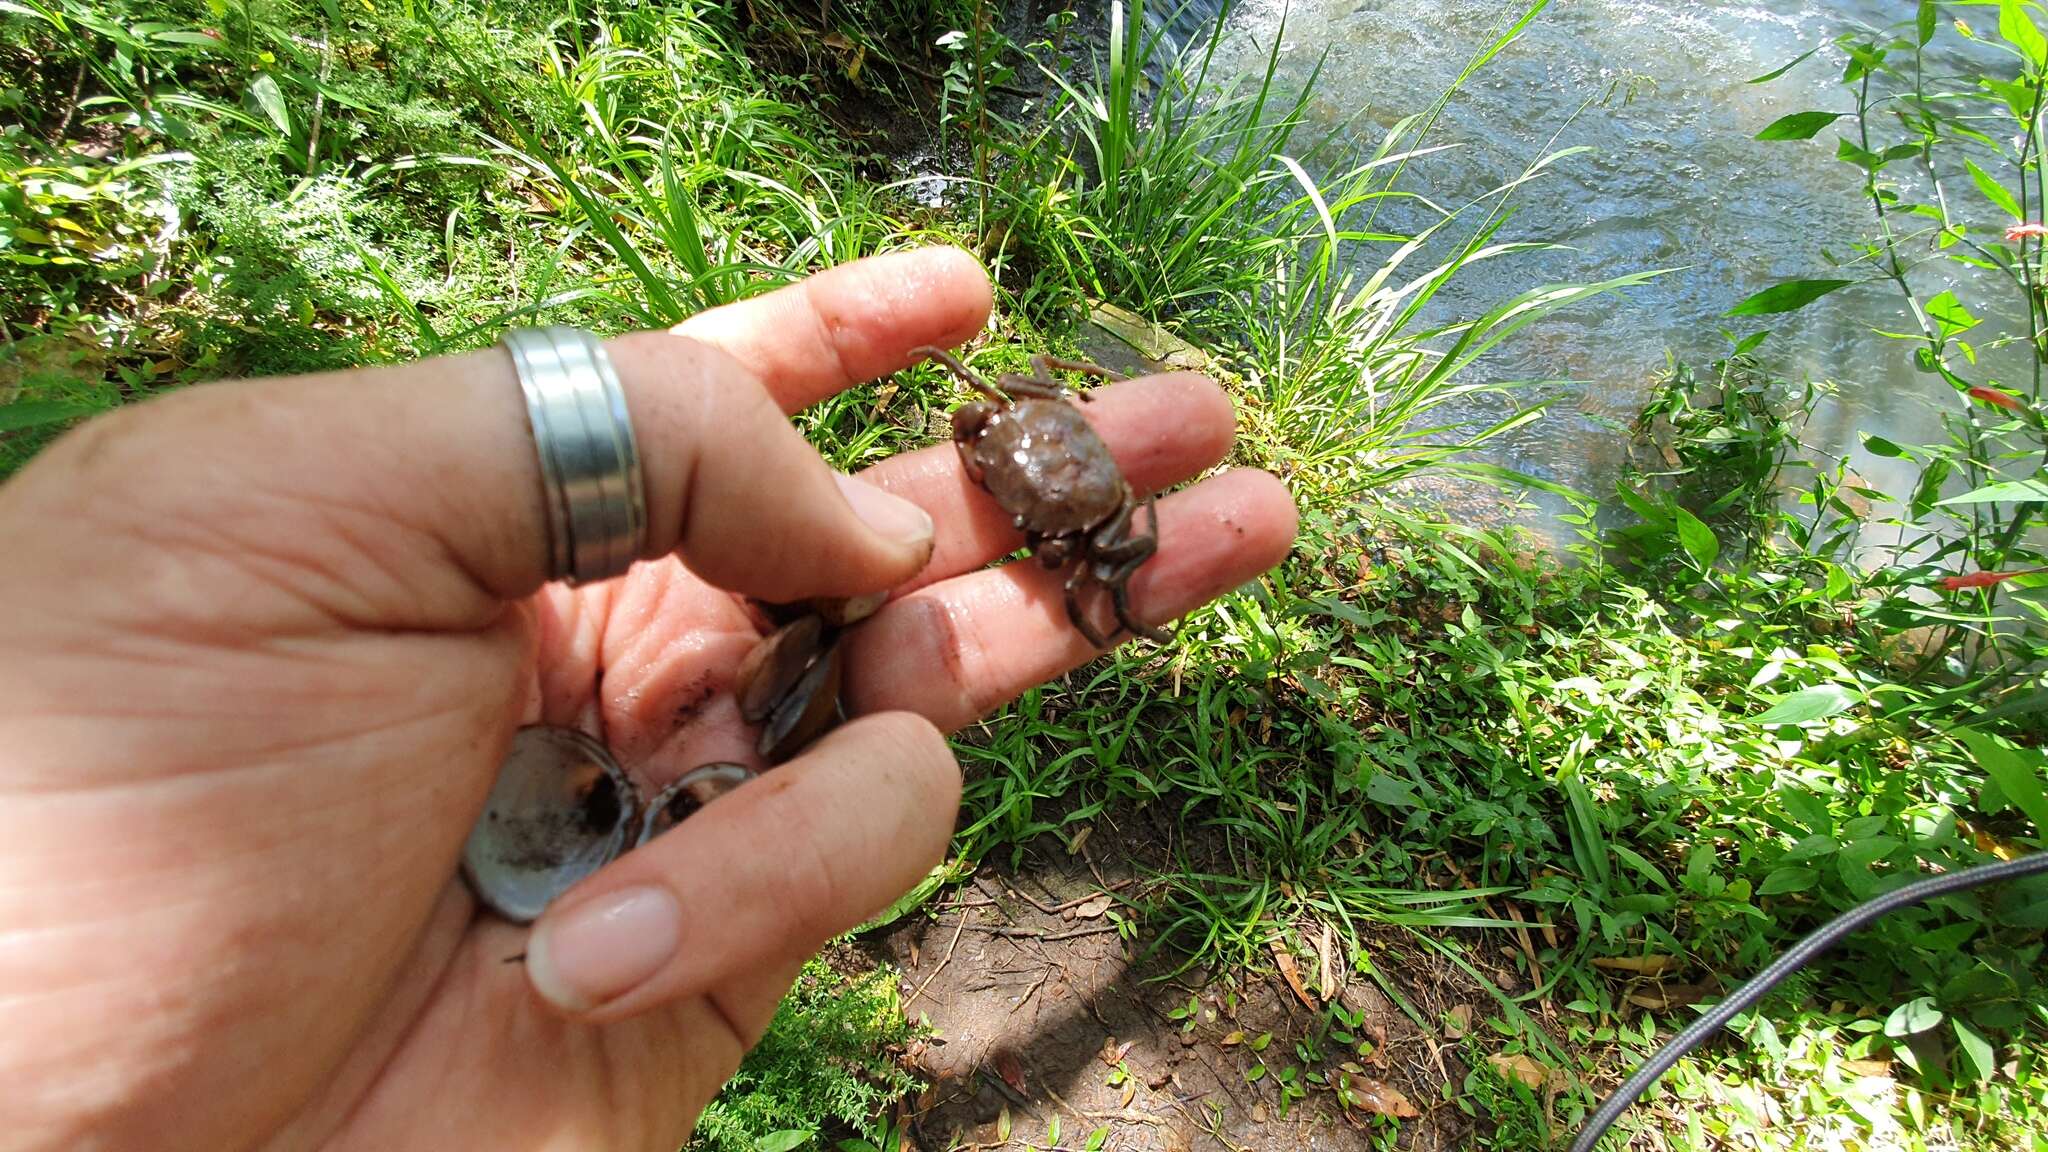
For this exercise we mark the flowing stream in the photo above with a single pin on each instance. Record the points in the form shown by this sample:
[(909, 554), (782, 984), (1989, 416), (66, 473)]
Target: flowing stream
[(1674, 179)]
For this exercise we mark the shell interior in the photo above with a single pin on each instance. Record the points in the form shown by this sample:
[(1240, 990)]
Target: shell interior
[(560, 810), (681, 800)]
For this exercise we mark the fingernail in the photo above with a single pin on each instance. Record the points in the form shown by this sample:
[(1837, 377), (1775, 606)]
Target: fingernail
[(890, 516), (603, 948)]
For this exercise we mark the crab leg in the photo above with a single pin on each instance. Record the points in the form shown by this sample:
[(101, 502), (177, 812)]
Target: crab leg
[(1129, 554), (1074, 613), (954, 365), (1042, 365)]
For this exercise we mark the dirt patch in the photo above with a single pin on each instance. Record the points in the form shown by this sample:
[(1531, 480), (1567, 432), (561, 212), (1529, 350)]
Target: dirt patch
[(1049, 1015)]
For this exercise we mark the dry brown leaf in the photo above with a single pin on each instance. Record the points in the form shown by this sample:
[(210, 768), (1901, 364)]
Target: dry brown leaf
[(1665, 997), (1011, 1070), (1652, 965), (1382, 1099), (1458, 1021), (1113, 1053), (1520, 1067), (1130, 1094), (1080, 840), (1289, 972), (1869, 1067), (1094, 909), (1232, 1040), (1003, 1125), (1326, 979)]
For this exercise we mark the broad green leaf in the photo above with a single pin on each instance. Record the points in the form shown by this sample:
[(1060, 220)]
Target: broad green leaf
[(1817, 845), (1976, 1049), (1994, 191), (787, 1140), (1697, 538), (265, 92), (1798, 125), (1950, 314), (1879, 446), (24, 10), (1392, 791), (1912, 1018), (1787, 879), (1997, 493), (36, 413), (1946, 938), (2018, 30), (1808, 704), (198, 39), (1781, 69), (1786, 297), (2019, 774), (1924, 21)]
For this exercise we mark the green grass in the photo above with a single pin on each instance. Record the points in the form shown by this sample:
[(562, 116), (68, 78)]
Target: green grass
[(1408, 729)]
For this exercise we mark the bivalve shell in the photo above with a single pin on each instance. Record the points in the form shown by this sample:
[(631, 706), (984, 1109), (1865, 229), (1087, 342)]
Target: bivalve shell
[(560, 810)]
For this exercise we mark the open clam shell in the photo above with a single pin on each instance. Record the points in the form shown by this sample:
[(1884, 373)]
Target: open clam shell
[(560, 810), (681, 800)]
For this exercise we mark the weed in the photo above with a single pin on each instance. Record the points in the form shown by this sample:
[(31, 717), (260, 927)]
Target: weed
[(826, 1068)]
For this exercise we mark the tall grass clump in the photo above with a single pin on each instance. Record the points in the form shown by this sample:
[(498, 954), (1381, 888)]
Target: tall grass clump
[(1215, 205), (1162, 189)]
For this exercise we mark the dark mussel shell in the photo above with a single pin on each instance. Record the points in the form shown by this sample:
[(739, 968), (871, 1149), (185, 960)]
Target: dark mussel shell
[(775, 665), (681, 800), (806, 712), (560, 810)]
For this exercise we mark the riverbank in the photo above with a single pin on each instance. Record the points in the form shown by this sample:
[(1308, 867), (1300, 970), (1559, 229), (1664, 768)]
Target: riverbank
[(1430, 839)]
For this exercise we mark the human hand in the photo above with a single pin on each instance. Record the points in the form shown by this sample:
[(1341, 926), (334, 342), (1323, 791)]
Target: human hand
[(263, 647)]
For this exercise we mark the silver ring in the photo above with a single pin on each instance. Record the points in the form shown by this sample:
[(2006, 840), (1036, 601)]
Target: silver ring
[(589, 465)]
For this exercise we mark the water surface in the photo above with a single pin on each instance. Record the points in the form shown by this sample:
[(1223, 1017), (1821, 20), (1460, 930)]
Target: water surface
[(1674, 179)]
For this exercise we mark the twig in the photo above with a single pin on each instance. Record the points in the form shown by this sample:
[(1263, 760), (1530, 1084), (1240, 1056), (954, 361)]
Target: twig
[(1032, 933), (1528, 946), (1123, 1114), (319, 101), (71, 105), (1043, 975), (961, 927)]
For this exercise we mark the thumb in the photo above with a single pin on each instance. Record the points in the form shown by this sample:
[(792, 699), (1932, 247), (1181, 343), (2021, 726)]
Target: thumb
[(360, 488)]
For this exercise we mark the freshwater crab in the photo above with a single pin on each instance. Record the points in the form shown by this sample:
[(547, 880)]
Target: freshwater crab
[(1047, 468)]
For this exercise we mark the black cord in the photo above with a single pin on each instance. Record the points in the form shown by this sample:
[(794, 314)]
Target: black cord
[(1799, 957)]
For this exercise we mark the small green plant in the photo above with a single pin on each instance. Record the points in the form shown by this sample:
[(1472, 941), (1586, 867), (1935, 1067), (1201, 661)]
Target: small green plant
[(826, 1070)]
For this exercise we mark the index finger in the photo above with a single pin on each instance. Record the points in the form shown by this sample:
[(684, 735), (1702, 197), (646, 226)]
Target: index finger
[(849, 324)]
